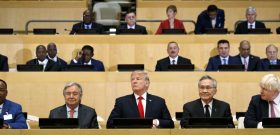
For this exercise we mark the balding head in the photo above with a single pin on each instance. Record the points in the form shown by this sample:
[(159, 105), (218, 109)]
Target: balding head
[(52, 50)]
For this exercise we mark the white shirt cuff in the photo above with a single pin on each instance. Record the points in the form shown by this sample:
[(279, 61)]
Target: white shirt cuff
[(260, 125), (75, 61)]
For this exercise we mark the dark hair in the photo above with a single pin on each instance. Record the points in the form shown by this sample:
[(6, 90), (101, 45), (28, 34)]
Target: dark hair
[(4, 83), (128, 12), (172, 7), (212, 8), (40, 46), (88, 47), (222, 41)]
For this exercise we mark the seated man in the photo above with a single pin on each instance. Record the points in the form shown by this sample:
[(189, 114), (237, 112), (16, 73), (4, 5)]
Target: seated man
[(266, 104), (84, 57), (88, 23), (73, 108), (130, 20), (41, 54), (210, 18), (272, 58), (251, 23), (4, 63), (10, 112), (278, 29), (251, 62), (206, 106), (52, 55), (223, 58), (172, 59), (149, 106)]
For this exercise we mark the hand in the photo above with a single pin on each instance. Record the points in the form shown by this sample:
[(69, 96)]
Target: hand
[(155, 123), (5, 126), (79, 55)]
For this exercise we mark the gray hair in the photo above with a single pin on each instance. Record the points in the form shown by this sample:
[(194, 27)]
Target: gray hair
[(146, 76), (207, 77), (271, 45), (270, 82), (251, 10), (70, 84)]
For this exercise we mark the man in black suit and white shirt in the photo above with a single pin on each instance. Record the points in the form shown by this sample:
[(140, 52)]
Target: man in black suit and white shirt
[(73, 108), (206, 106), (130, 20), (4, 63), (251, 23), (52, 55), (173, 58), (141, 104)]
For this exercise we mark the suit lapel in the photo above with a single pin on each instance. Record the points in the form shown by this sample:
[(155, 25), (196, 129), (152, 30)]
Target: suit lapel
[(5, 108), (179, 62), (264, 105), (134, 106), (81, 114), (200, 110), (214, 109), (148, 113)]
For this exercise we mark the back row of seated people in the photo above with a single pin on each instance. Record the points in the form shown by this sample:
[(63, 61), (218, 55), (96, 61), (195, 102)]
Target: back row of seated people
[(212, 17), (51, 62), (141, 104)]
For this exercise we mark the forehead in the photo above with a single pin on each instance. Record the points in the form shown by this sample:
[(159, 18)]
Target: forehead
[(87, 13), (222, 45), (133, 75), (271, 48), (245, 45), (73, 88), (171, 45), (130, 15), (2, 85), (206, 82), (52, 47), (41, 48)]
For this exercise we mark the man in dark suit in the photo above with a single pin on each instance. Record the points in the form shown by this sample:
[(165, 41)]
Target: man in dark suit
[(206, 106), (88, 23), (84, 57), (223, 58), (73, 108), (251, 62), (272, 58), (130, 20), (41, 54), (10, 112), (172, 59), (251, 23), (52, 55), (4, 63), (210, 18), (278, 30), (264, 105), (141, 104)]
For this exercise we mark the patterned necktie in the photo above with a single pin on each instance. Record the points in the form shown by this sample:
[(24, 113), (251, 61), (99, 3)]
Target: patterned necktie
[(140, 107), (207, 113), (72, 113), (272, 112), (245, 64)]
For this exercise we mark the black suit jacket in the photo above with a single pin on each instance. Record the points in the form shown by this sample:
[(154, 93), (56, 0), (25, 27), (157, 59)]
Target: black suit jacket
[(86, 115), (138, 27), (162, 65), (257, 110), (254, 62), (265, 64), (98, 27), (4, 63), (61, 63), (278, 30), (126, 107), (242, 28), (215, 61), (195, 109), (51, 65)]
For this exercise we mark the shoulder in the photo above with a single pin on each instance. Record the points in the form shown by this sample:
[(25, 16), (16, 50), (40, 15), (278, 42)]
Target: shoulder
[(77, 24), (183, 58), (192, 103), (97, 24), (221, 11), (87, 107), (155, 98), (97, 61), (264, 60), (140, 26), (12, 104), (58, 108), (3, 57), (163, 60), (214, 58), (32, 61), (124, 98), (254, 57), (220, 102)]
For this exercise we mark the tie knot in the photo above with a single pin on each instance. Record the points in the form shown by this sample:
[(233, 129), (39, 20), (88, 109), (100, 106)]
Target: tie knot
[(173, 61), (271, 102), (206, 106), (140, 98)]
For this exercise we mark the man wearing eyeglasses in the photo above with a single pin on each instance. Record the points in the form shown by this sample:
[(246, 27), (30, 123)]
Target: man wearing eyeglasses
[(206, 106), (271, 57), (130, 20)]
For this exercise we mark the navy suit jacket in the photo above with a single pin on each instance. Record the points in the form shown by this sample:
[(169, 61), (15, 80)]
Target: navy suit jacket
[(254, 62), (203, 21), (98, 27), (61, 63), (86, 115), (215, 61), (195, 109), (126, 107), (98, 65), (265, 64), (162, 65), (18, 121), (257, 110), (242, 28), (51, 65), (278, 30), (137, 27), (4, 63)]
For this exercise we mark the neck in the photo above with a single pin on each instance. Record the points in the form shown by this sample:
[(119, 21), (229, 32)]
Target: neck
[(207, 101), (72, 107), (140, 93), (274, 96)]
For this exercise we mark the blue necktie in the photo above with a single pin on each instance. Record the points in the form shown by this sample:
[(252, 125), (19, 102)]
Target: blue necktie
[(273, 62), (224, 61)]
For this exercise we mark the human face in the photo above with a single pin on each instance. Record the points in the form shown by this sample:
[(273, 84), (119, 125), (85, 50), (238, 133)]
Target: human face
[(206, 90), (130, 19), (251, 17), (212, 15), (87, 55), (170, 14), (138, 83), (41, 53), (223, 49), (52, 50), (87, 17), (72, 96), (244, 49), (173, 50), (268, 95), (3, 92), (271, 53)]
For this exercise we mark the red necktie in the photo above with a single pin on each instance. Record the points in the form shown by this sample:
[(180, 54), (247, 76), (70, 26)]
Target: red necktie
[(140, 107), (72, 113)]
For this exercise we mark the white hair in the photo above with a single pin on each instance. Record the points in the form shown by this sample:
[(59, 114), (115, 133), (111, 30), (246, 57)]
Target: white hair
[(270, 82), (251, 10)]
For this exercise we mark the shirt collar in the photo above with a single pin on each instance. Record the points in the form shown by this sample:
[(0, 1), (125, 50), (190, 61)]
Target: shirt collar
[(75, 110), (176, 59), (54, 58), (89, 63), (144, 96), (1, 106), (277, 99), (88, 25), (43, 62), (224, 57), (210, 104), (131, 27), (253, 24)]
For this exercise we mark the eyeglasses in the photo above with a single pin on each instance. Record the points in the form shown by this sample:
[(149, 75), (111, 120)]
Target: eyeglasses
[(72, 93)]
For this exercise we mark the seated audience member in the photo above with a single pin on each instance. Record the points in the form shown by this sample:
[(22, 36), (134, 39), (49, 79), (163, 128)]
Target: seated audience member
[(172, 59), (10, 112), (88, 23), (250, 23), (251, 62), (206, 106), (171, 22), (278, 29), (84, 57), (130, 20), (210, 18), (41, 54), (52, 55), (266, 104), (272, 58), (4, 63), (141, 104), (223, 58), (73, 108)]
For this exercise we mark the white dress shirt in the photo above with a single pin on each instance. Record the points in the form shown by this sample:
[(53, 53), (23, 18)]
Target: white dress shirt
[(222, 62), (53, 59), (1, 107), (44, 63), (209, 108), (171, 60), (87, 26), (89, 63), (276, 106), (253, 25), (131, 27), (144, 101), (213, 22), (76, 112)]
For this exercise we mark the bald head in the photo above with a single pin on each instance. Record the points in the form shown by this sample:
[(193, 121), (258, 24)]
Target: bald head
[(244, 48), (41, 52), (52, 50)]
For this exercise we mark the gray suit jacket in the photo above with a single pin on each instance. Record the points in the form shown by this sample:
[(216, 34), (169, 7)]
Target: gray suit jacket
[(86, 115)]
